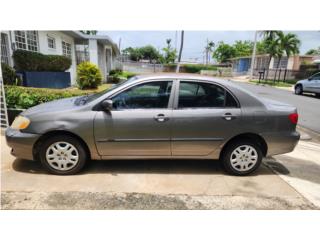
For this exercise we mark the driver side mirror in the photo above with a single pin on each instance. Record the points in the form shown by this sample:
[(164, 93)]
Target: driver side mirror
[(310, 78), (107, 104)]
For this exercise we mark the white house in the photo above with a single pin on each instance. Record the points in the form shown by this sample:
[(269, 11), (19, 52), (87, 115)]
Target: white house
[(98, 49)]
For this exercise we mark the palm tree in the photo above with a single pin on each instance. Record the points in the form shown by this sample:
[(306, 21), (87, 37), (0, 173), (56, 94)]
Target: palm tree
[(288, 45), (272, 45), (208, 49)]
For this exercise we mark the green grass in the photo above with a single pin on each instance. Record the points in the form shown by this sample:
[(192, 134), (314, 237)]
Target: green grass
[(288, 83)]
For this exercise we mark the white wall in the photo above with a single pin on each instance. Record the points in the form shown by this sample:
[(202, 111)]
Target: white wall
[(59, 37)]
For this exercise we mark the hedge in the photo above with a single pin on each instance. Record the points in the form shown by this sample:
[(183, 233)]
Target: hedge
[(33, 61), (116, 75), (26, 97)]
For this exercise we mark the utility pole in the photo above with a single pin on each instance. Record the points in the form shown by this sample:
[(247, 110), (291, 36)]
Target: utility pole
[(120, 45), (180, 51), (253, 58), (207, 52)]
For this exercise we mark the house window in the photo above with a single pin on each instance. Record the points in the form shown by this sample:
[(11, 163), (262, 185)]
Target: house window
[(51, 42), (26, 40), (66, 49), (283, 62), (4, 49)]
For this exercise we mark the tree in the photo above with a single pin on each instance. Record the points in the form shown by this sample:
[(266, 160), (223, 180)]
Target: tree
[(89, 32), (243, 48), (208, 50), (149, 53), (142, 53), (133, 53), (224, 52), (288, 44), (169, 55), (313, 51), (271, 45)]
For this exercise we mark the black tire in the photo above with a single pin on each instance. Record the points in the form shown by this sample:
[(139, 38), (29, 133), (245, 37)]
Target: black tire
[(82, 158), (298, 90), (226, 157)]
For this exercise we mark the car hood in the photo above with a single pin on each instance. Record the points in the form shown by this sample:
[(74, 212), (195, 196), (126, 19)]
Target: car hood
[(65, 104), (302, 81)]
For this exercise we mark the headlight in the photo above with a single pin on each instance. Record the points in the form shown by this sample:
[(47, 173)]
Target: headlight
[(20, 122)]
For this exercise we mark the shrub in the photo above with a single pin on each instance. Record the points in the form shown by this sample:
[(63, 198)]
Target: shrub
[(88, 76), (26, 97), (116, 75), (8, 74), (33, 61)]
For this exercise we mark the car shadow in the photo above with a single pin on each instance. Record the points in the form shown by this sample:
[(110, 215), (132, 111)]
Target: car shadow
[(299, 168), (310, 95), (115, 167)]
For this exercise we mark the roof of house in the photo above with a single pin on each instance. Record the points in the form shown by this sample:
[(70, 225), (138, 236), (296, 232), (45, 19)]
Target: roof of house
[(103, 39), (266, 55)]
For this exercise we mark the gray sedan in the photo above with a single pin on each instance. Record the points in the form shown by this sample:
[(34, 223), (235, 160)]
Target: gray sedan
[(169, 116)]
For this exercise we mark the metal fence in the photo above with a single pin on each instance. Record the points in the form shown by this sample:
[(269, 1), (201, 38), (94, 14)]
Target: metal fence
[(280, 74)]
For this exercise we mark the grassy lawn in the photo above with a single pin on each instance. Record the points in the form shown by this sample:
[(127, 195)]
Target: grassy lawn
[(288, 83)]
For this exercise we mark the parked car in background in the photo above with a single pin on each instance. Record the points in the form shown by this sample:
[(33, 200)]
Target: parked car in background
[(166, 116), (310, 85)]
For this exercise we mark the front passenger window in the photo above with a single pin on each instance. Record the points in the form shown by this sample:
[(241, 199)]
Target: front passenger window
[(144, 96)]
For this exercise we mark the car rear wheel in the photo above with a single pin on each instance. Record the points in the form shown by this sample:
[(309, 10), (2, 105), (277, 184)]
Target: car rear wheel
[(62, 155), (241, 157), (298, 90)]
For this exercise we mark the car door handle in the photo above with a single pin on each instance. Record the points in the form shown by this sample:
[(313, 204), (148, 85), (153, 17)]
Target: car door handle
[(228, 116), (161, 118)]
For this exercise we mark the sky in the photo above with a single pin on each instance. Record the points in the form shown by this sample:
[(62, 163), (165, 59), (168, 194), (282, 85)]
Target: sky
[(195, 41)]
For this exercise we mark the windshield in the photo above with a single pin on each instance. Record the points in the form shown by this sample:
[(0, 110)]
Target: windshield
[(91, 97)]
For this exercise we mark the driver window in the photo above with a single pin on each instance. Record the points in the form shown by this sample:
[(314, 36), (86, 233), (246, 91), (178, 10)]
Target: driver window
[(315, 77), (144, 96)]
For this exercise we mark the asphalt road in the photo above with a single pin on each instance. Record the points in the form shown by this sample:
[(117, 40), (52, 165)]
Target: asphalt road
[(308, 105)]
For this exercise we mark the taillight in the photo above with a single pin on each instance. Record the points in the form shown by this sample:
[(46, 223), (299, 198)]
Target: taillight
[(294, 118)]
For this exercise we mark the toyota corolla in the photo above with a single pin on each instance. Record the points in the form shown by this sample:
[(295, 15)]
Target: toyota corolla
[(168, 116)]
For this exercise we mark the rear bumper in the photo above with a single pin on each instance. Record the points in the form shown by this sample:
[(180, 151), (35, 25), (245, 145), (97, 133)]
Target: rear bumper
[(21, 143), (281, 142)]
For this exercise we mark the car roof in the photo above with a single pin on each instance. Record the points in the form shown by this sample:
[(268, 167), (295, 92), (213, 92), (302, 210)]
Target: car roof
[(177, 76)]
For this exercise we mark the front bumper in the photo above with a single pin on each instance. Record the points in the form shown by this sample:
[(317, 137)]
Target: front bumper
[(21, 143), (281, 142)]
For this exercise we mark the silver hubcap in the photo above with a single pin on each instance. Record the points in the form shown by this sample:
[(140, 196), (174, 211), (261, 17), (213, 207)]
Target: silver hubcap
[(244, 158), (62, 156)]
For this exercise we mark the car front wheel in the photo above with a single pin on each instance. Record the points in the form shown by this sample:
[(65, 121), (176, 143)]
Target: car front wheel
[(62, 155), (241, 158), (298, 90)]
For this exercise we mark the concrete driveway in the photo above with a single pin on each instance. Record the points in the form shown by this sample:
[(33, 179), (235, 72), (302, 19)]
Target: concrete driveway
[(144, 185)]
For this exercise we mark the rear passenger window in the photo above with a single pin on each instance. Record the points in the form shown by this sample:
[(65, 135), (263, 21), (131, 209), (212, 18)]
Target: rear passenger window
[(230, 101), (204, 95)]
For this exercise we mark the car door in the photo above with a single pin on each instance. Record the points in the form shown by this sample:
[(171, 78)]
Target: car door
[(316, 83), (313, 85), (204, 115), (139, 123)]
